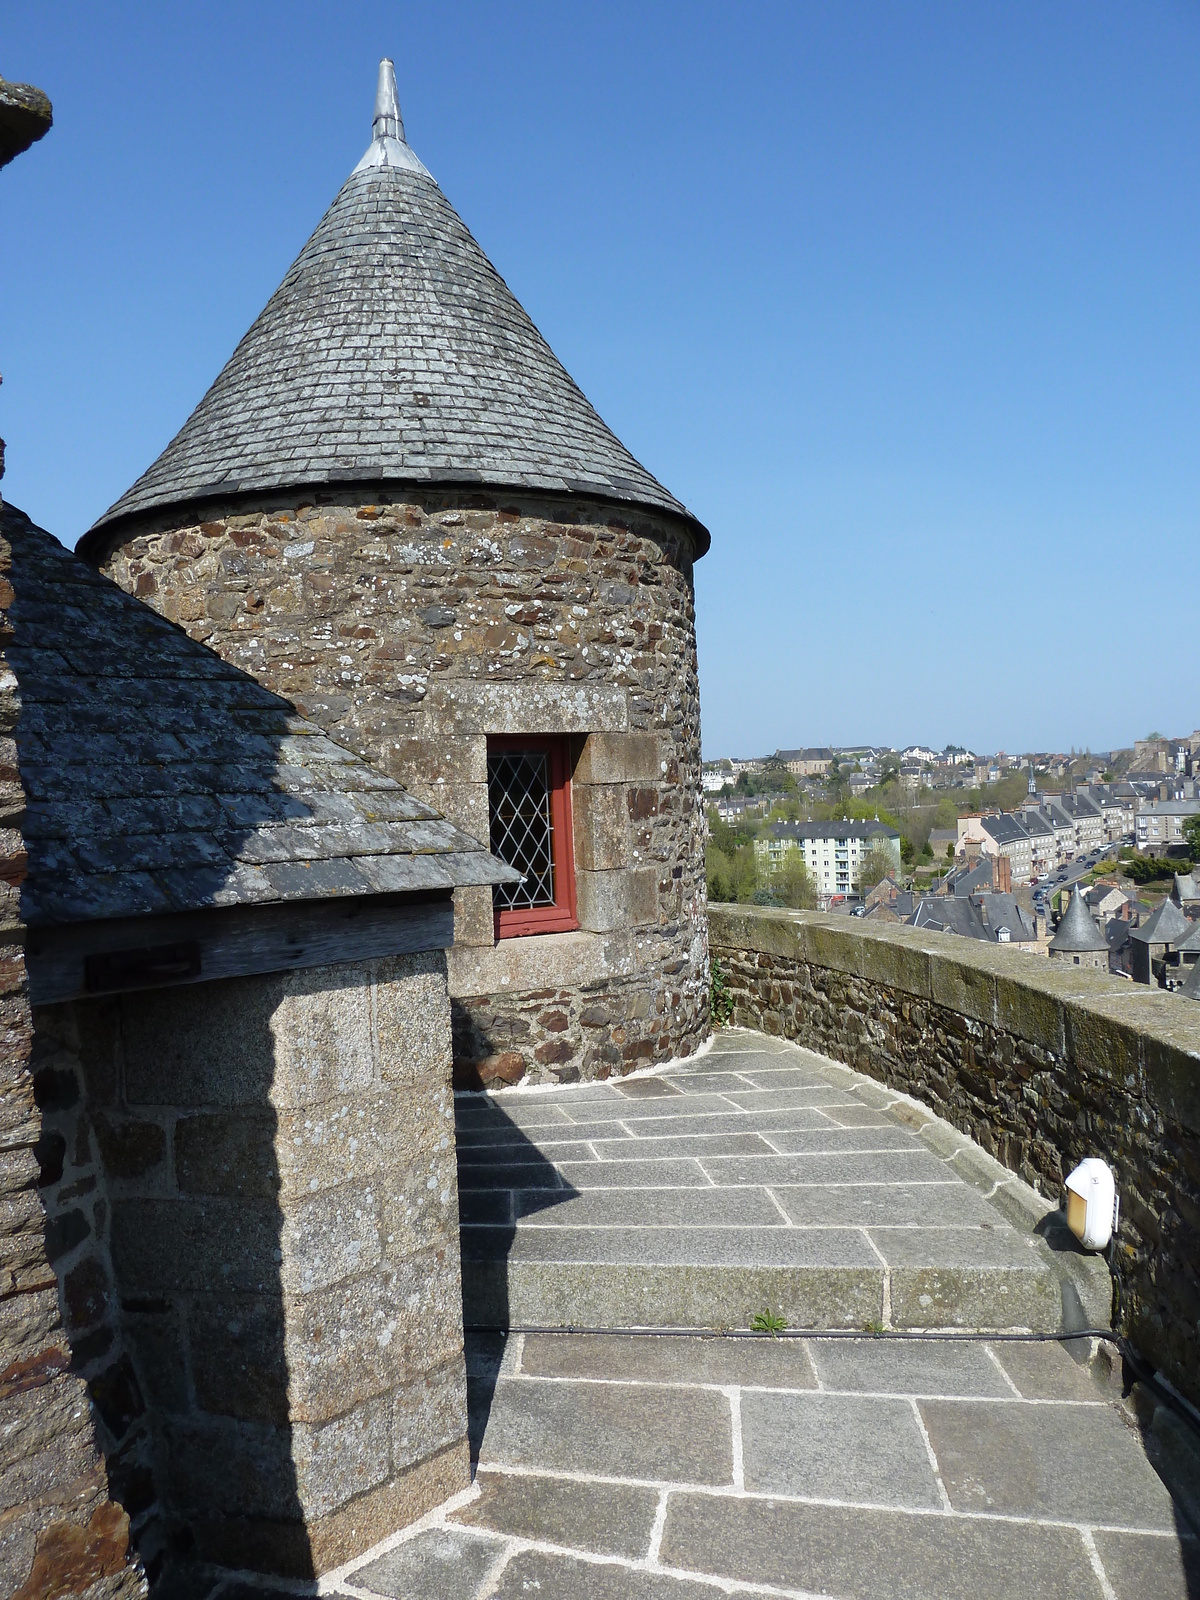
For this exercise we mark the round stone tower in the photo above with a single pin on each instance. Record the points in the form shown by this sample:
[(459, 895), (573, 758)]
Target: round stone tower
[(395, 507)]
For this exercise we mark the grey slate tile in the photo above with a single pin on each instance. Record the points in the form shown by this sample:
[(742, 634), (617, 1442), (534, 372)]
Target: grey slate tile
[(420, 309)]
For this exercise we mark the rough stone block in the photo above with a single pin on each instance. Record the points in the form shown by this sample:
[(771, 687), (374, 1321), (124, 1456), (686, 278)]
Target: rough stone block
[(372, 1334), (334, 1235), (412, 1019), (601, 827), (543, 961), (344, 1458), (835, 943), (619, 758), (897, 964), (227, 1153), (166, 1245), (963, 986), (474, 918), (429, 1414), (402, 1500), (238, 1358), (1027, 1006)]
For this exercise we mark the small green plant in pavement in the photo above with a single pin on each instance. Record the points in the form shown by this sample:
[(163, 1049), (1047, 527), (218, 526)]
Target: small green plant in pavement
[(873, 1327), (720, 996), (767, 1322)]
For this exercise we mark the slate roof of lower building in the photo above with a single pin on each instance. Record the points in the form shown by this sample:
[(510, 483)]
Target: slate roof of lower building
[(392, 352), (161, 779)]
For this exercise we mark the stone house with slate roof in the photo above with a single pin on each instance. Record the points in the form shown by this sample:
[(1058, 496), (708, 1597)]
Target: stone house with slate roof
[(227, 1104), (395, 507)]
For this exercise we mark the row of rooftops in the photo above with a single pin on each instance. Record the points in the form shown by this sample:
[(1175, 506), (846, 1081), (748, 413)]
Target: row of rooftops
[(837, 832)]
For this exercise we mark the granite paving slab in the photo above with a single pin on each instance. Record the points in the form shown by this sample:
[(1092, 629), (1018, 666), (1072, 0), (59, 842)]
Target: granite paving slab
[(639, 1432), (614, 1519), (751, 1363), (441, 1561), (911, 1367), (547, 1575), (869, 1205), (864, 1554), (884, 1166), (672, 1467), (1044, 1372), (599, 1294), (837, 1447), (612, 1208), (1063, 1460), (1141, 1566)]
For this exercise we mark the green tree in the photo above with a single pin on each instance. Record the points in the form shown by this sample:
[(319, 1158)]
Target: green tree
[(792, 883), (874, 867), (1191, 832), (906, 850)]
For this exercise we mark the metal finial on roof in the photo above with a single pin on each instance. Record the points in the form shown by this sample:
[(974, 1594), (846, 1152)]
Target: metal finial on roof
[(388, 123), (389, 147)]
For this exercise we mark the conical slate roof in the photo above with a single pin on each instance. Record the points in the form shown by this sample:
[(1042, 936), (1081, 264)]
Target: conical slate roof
[(1077, 933), (1167, 925), (1191, 988), (392, 351)]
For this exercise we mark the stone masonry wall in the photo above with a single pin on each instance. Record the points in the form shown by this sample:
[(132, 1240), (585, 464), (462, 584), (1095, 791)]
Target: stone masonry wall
[(413, 627), (1041, 1064), (279, 1159), (65, 1402)]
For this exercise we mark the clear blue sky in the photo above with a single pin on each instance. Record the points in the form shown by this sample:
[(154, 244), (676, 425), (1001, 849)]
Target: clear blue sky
[(902, 299)]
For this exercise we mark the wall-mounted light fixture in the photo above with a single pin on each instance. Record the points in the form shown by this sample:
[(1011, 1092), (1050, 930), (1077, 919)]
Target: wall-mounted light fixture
[(1092, 1203)]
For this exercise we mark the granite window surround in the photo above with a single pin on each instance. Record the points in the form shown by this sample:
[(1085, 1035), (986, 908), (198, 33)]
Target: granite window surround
[(529, 799)]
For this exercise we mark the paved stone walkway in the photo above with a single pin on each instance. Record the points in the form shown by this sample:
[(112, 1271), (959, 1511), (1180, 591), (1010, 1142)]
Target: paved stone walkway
[(683, 1468), (756, 1177), (673, 1466)]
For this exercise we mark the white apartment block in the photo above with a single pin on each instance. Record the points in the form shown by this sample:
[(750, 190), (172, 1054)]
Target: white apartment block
[(833, 851)]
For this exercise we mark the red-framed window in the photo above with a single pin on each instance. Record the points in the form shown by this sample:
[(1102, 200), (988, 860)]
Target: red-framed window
[(529, 804)]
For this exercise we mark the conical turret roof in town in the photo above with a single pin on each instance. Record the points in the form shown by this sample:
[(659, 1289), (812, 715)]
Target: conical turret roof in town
[(1077, 933), (1165, 925), (392, 351)]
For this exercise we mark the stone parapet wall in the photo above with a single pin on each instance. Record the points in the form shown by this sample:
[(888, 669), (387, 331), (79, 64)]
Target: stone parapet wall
[(281, 1262), (412, 627), (65, 1400), (1042, 1065)]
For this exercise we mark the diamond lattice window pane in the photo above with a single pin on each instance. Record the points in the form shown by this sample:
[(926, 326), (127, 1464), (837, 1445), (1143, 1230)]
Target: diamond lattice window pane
[(522, 829)]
